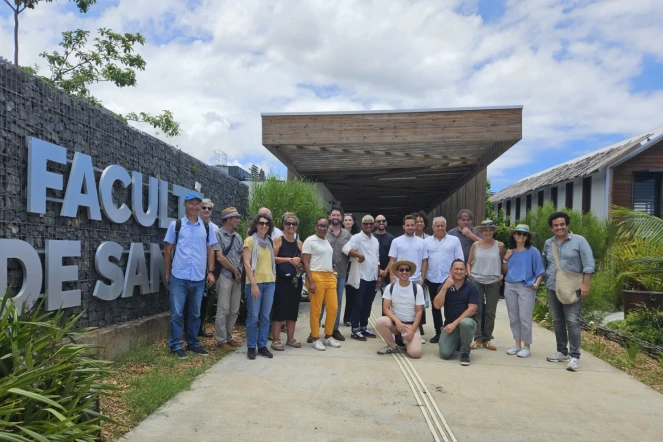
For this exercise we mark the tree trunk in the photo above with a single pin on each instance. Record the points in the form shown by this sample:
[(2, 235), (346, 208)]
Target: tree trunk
[(16, 36)]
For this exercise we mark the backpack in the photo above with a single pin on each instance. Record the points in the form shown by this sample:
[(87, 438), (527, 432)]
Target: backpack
[(178, 226), (414, 289)]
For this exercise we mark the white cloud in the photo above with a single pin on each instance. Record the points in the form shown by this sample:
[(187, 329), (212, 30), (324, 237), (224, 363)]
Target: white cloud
[(219, 64)]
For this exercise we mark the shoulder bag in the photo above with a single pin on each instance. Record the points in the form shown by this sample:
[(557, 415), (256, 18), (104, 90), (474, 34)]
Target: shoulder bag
[(567, 284)]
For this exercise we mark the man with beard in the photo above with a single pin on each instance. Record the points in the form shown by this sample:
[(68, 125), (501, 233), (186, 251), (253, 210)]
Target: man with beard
[(384, 238)]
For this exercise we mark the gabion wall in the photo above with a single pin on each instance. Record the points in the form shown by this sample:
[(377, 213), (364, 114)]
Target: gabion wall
[(30, 107)]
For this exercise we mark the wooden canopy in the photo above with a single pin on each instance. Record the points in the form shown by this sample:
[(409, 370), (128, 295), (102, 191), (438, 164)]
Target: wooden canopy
[(392, 162)]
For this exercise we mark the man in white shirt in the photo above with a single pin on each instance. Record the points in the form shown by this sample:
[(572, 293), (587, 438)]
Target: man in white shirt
[(403, 305), (412, 248), (442, 250), (366, 248)]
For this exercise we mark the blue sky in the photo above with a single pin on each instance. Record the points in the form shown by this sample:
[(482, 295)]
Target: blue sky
[(588, 73)]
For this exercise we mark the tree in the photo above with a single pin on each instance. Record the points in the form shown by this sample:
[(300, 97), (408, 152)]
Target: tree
[(18, 6), (110, 58), (500, 219)]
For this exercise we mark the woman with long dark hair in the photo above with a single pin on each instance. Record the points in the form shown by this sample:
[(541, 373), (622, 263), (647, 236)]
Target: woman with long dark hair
[(350, 223), (258, 254), (524, 272), (287, 294)]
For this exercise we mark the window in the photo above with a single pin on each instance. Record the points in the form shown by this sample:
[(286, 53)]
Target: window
[(517, 209), (508, 210), (499, 207), (553, 196), (540, 199), (569, 195), (528, 203), (647, 193), (586, 194)]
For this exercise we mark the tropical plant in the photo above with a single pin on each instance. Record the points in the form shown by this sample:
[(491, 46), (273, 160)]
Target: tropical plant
[(638, 251), (644, 323), (499, 218), (297, 196), (632, 350), (49, 384)]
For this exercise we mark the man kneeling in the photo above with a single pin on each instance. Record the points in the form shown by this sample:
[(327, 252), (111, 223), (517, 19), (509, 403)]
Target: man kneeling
[(460, 299), (403, 305)]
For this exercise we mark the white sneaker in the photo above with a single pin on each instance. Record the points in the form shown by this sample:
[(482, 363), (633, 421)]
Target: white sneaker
[(524, 353), (332, 342), (318, 345), (423, 341), (513, 350), (574, 365), (558, 357)]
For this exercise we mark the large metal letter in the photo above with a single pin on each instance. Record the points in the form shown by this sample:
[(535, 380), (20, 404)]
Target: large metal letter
[(157, 268), (39, 179), (81, 189), (31, 266), (136, 273), (109, 176), (56, 274), (109, 270), (144, 218), (164, 219), (180, 192)]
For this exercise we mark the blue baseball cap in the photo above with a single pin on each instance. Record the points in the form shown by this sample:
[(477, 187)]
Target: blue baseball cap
[(192, 196)]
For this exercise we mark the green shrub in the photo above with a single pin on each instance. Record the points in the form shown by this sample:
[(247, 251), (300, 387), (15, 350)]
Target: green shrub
[(49, 384), (603, 296), (645, 324)]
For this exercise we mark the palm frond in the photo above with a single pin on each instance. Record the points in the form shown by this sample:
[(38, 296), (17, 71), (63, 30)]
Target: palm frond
[(632, 223)]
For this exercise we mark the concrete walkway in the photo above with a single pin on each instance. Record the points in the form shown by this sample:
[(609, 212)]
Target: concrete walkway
[(351, 394)]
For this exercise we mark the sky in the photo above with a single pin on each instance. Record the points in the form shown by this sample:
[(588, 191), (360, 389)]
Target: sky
[(588, 73)]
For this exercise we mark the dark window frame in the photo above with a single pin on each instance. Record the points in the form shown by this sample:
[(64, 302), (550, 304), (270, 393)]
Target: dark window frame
[(586, 194), (518, 203), (568, 195), (540, 198), (528, 203), (658, 180), (508, 210), (553, 195)]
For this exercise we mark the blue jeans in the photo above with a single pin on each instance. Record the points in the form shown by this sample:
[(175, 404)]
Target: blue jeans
[(340, 286), (361, 309), (257, 311), (190, 292)]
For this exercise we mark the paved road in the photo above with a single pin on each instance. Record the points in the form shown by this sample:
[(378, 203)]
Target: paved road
[(351, 394)]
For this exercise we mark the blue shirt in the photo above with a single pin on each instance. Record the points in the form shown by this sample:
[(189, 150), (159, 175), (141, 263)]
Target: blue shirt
[(524, 266), (190, 260), (575, 255)]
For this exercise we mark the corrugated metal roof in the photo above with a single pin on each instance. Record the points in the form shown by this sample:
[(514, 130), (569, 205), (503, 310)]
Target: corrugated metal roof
[(577, 167)]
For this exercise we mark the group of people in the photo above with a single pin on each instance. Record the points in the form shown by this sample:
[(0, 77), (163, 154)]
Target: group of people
[(458, 272)]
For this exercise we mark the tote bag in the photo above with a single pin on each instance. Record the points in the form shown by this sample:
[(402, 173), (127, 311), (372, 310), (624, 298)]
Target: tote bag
[(567, 284)]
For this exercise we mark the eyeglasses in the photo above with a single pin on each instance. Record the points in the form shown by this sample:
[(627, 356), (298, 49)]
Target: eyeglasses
[(205, 208), (368, 224), (381, 221), (322, 226), (404, 269), (290, 224), (521, 233), (264, 223)]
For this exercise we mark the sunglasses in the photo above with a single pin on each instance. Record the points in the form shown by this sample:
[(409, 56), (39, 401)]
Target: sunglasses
[(205, 208), (264, 223), (368, 224), (521, 233), (322, 226), (404, 269), (291, 224), (381, 221)]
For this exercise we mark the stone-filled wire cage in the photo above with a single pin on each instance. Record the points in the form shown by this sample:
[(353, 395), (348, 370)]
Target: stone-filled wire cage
[(30, 107)]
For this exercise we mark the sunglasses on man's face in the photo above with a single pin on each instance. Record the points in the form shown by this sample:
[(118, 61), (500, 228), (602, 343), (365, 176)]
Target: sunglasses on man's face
[(205, 208), (264, 223), (368, 224), (381, 221), (404, 269), (322, 226), (290, 224)]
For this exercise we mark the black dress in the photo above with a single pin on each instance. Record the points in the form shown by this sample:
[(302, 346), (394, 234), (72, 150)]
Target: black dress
[(287, 294)]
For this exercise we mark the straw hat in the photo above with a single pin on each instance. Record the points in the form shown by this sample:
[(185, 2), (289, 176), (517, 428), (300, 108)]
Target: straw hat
[(410, 264), (521, 228), (487, 224), (228, 212)]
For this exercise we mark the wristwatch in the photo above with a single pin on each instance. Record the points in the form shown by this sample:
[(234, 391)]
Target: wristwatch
[(504, 261)]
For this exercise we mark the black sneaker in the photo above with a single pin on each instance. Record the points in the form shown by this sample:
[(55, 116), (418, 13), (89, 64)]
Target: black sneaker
[(464, 359), (180, 354), (262, 351), (368, 333), (198, 350), (251, 354), (358, 336), (435, 339)]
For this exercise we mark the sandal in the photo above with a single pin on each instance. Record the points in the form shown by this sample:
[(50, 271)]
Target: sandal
[(276, 345), (293, 343)]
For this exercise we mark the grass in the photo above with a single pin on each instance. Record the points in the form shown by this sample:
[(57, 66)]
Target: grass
[(148, 377), (628, 359)]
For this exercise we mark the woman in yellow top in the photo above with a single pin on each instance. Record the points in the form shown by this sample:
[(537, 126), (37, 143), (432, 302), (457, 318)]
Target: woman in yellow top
[(258, 254)]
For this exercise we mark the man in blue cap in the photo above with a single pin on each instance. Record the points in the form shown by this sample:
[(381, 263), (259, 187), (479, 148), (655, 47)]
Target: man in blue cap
[(187, 270)]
